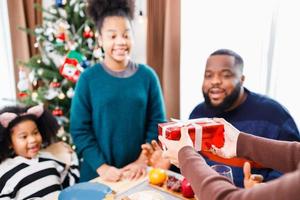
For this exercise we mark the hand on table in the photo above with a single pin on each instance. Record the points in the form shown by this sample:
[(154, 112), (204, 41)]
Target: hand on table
[(134, 171), (109, 173), (251, 180)]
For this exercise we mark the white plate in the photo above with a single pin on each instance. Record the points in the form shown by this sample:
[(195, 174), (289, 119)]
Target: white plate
[(146, 195)]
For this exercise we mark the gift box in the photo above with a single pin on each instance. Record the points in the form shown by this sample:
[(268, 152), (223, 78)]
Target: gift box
[(204, 132)]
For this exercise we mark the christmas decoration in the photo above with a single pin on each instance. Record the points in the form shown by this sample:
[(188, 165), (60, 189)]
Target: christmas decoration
[(66, 41), (88, 33), (70, 93), (60, 3), (23, 84), (57, 111), (70, 70)]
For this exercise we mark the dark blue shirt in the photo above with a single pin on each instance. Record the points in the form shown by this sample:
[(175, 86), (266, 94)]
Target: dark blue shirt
[(257, 115)]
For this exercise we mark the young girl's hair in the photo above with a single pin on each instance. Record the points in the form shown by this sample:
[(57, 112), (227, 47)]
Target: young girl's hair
[(46, 123), (98, 10)]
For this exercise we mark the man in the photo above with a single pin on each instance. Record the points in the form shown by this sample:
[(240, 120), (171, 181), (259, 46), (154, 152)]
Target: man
[(225, 97)]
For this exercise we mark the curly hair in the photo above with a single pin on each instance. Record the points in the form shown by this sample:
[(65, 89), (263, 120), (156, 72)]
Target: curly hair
[(98, 10), (46, 123)]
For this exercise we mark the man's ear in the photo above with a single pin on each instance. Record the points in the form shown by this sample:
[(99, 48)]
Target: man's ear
[(243, 78)]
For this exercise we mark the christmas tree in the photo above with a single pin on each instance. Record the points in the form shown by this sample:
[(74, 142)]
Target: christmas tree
[(67, 45)]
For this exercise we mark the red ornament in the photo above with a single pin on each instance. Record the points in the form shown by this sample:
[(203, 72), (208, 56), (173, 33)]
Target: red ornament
[(88, 34), (61, 36), (55, 84), (57, 112), (70, 70), (22, 94)]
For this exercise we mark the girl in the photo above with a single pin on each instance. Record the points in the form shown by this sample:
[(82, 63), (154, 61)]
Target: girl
[(26, 171), (118, 103)]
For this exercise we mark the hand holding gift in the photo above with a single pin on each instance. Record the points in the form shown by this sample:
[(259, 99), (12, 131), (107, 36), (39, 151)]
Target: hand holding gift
[(231, 136), (204, 132), (215, 138)]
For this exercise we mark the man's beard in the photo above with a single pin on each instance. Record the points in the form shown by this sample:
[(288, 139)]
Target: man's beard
[(227, 102)]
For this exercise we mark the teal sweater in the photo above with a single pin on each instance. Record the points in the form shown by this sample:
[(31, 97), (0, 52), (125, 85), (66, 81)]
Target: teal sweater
[(111, 117)]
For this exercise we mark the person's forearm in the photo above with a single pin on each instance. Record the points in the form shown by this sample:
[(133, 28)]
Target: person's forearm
[(279, 155), (207, 184)]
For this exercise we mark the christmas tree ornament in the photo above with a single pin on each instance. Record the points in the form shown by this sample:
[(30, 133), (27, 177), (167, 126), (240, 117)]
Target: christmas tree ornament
[(57, 111), (61, 37), (61, 132), (97, 53), (22, 95), (76, 8), (87, 33), (64, 138), (63, 13), (34, 83), (23, 84), (49, 31), (50, 38), (53, 11), (70, 93), (81, 14), (71, 45), (60, 3), (49, 47), (51, 94), (90, 43), (72, 2), (34, 96), (38, 30), (36, 45), (61, 28), (55, 83), (61, 95), (40, 72), (81, 59), (70, 70)]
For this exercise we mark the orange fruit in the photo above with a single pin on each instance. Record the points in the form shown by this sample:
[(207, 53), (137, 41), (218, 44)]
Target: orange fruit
[(157, 176)]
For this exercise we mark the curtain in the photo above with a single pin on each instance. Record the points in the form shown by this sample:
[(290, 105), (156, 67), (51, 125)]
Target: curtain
[(22, 14), (163, 49)]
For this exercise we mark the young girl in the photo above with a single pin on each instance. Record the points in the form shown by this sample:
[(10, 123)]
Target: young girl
[(26, 171), (118, 103)]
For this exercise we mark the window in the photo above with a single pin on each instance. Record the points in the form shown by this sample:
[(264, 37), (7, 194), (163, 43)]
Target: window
[(7, 85), (264, 33)]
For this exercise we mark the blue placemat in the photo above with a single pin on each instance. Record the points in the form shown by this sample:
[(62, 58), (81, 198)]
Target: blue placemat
[(85, 191)]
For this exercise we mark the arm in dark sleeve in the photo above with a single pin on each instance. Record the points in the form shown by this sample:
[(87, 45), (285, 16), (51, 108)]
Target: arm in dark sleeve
[(155, 108), (279, 155), (207, 184), (81, 126)]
